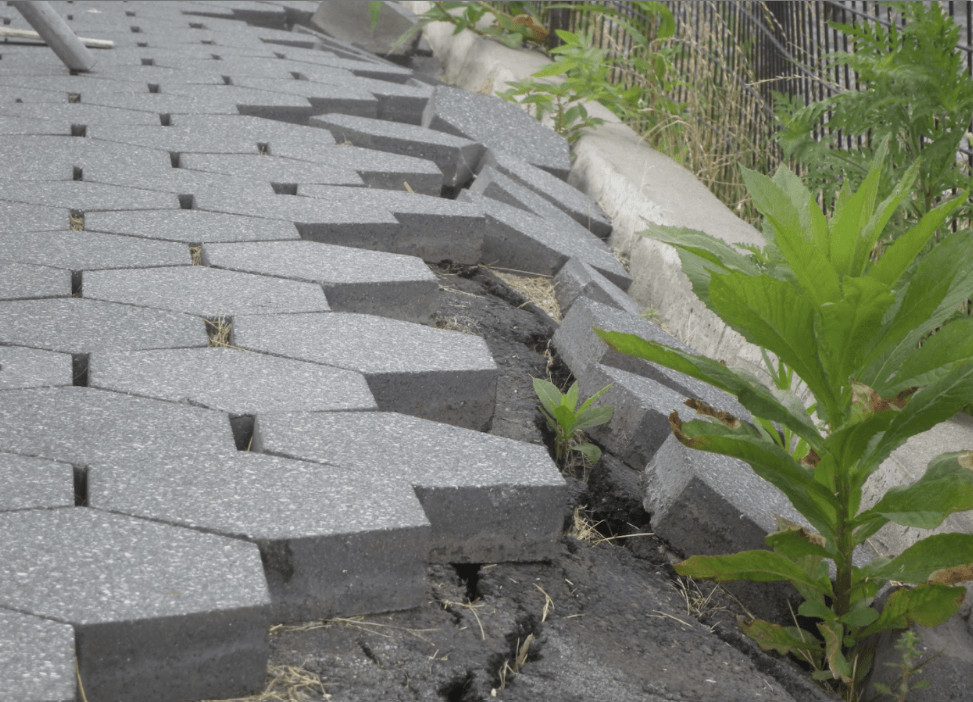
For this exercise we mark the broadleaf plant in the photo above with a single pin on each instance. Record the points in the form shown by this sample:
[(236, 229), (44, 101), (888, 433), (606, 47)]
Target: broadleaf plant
[(567, 420), (841, 319)]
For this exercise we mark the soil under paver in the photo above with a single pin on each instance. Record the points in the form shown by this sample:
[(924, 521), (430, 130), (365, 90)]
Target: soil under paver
[(164, 502)]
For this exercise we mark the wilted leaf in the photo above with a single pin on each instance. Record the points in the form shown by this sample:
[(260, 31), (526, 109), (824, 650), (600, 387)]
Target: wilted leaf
[(833, 634), (923, 558), (925, 605), (784, 640), (702, 408)]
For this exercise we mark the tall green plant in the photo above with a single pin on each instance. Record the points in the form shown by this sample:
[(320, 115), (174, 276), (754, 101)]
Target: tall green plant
[(915, 94), (847, 323)]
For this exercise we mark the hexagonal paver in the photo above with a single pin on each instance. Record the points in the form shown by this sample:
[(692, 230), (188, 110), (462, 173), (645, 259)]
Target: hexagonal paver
[(208, 292), (190, 226), (354, 280), (36, 659), (488, 498), (335, 542), (22, 367), (159, 612), (76, 325), (23, 281), (410, 368), (232, 380), (82, 251), (27, 482)]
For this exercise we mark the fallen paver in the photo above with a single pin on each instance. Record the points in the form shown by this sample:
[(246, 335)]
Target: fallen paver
[(334, 541), (36, 658), (577, 279), (22, 367), (203, 291), (354, 280), (456, 157), (499, 126), (515, 238), (235, 381), (27, 482), (190, 226), (487, 498), (25, 280), (583, 209), (80, 326), (159, 612), (411, 368)]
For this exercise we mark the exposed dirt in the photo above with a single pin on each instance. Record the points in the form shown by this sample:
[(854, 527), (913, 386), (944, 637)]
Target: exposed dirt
[(606, 619)]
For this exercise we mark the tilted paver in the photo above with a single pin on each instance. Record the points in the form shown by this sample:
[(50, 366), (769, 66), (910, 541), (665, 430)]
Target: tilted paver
[(515, 238), (235, 381), (354, 280), (36, 659), (82, 196), (76, 325), (21, 217), (190, 226), (271, 168), (159, 612), (498, 125), (456, 157), (335, 541), (25, 280), (27, 482), (572, 201), (199, 290), (577, 280), (88, 250), (487, 498), (411, 368), (22, 367)]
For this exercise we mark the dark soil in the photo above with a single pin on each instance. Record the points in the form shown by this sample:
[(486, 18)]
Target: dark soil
[(604, 620)]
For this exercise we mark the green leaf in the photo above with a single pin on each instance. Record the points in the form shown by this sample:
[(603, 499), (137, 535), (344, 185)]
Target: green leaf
[(570, 399), (756, 566), (565, 419), (797, 542), (945, 488), (752, 394), (547, 393), (926, 605), (593, 417), (586, 403), (374, 10), (783, 640), (554, 69), (934, 555), (775, 315), (951, 344), (591, 452)]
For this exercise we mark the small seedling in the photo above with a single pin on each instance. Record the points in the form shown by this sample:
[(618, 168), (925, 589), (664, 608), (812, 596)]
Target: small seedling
[(566, 419)]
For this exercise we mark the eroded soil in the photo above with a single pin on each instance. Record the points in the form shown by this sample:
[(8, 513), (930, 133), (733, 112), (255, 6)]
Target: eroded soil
[(606, 619)]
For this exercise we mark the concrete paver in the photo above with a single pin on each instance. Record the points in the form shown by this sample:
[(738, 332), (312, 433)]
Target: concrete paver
[(24, 280), (27, 482), (88, 250), (190, 226), (22, 367), (37, 657)]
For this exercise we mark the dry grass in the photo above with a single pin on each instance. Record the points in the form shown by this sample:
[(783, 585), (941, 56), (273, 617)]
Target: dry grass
[(510, 669), (288, 683), (76, 222), (471, 607), (538, 289), (196, 255), (219, 329), (386, 631)]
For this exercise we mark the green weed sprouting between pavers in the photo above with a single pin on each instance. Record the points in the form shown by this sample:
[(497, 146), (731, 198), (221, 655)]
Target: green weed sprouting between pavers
[(567, 420), (846, 319)]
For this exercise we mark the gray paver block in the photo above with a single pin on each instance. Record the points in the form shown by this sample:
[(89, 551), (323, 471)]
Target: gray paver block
[(248, 101), (708, 504), (514, 238), (487, 498), (572, 201), (334, 541), (36, 659), (411, 368), (346, 97), (88, 250), (456, 157), (21, 367), (20, 217), (84, 426), (81, 113), (271, 168), (378, 169), (27, 483), (577, 279), (160, 612), (171, 103), (498, 125), (76, 325), (189, 226), (354, 280), (208, 292), (235, 381), (79, 195), (640, 421), (24, 280), (398, 222)]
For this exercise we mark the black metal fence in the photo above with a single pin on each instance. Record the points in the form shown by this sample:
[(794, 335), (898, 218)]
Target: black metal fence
[(729, 58)]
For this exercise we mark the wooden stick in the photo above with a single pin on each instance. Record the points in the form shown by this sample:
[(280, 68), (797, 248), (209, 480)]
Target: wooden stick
[(56, 33), (31, 34)]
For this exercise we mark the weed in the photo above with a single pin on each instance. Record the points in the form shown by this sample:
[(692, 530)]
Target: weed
[(567, 420), (846, 324), (908, 667)]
